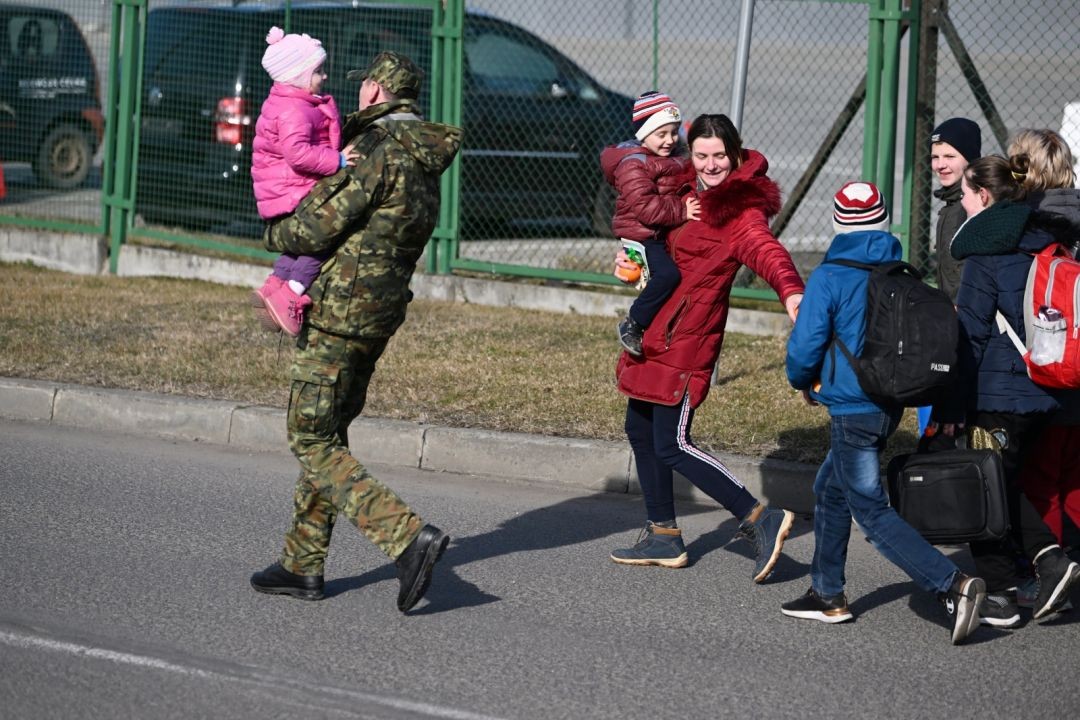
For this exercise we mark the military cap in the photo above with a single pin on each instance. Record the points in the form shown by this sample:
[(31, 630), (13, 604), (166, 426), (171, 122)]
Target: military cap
[(395, 72)]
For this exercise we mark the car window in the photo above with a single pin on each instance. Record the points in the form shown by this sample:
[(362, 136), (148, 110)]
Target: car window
[(505, 65), (32, 37), (177, 46)]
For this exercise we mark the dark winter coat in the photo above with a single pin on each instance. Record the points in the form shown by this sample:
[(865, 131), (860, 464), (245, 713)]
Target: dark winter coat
[(998, 245), (835, 306), (1058, 212), (646, 184), (950, 218), (682, 343)]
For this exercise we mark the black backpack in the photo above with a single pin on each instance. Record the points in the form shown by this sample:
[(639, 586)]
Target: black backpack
[(909, 350)]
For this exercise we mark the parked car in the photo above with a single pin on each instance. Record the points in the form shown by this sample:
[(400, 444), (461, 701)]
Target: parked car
[(534, 121), (50, 108)]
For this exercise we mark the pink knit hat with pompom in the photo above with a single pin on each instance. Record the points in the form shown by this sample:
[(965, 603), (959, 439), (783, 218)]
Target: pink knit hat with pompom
[(291, 59)]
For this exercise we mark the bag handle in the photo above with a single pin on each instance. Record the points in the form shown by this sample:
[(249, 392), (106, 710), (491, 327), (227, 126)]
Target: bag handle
[(1004, 326)]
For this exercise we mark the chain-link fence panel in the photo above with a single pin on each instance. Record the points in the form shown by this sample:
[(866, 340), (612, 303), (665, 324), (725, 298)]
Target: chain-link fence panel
[(204, 86), (544, 87), (539, 199), (53, 60), (1007, 66)]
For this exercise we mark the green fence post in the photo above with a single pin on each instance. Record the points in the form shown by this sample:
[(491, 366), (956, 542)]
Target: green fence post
[(118, 194), (872, 119), (907, 222), (890, 90), (447, 63)]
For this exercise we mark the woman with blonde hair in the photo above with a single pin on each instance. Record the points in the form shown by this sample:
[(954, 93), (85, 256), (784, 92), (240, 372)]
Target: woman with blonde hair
[(1007, 224), (1051, 476)]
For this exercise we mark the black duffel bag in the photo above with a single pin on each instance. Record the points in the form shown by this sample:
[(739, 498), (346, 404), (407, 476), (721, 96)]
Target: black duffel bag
[(951, 497)]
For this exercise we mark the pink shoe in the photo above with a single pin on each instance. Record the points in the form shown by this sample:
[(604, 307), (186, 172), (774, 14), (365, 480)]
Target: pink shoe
[(258, 301), (285, 310), (273, 282)]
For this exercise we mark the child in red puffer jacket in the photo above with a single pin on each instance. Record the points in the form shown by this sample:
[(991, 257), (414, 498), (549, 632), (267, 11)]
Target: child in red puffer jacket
[(646, 176)]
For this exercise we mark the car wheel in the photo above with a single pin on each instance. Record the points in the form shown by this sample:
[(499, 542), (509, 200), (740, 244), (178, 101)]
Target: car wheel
[(603, 209), (64, 159)]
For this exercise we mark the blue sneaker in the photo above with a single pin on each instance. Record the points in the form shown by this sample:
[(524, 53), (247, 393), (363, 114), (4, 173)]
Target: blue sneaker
[(655, 545), (768, 535)]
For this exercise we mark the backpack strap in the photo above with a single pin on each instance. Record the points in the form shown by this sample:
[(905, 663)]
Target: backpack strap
[(1004, 326), (836, 340), (889, 268), (855, 264)]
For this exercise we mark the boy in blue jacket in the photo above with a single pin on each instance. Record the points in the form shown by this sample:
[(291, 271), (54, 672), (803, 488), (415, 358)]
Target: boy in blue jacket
[(848, 483)]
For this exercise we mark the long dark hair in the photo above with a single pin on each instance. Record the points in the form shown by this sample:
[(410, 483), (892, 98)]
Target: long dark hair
[(717, 126), (997, 176)]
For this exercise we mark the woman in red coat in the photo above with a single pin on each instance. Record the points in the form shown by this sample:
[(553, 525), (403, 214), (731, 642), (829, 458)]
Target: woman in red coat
[(682, 344)]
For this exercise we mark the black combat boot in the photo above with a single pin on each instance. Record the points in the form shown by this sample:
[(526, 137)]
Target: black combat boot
[(415, 564), (276, 580)]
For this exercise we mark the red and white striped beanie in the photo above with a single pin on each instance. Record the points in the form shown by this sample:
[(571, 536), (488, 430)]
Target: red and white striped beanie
[(290, 59), (652, 110), (859, 206)]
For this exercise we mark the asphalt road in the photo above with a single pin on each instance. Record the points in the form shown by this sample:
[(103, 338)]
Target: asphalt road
[(124, 594)]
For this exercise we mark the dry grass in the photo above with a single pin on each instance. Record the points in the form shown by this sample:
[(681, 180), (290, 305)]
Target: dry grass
[(450, 364)]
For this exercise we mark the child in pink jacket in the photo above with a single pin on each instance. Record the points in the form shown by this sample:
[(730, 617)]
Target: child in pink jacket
[(296, 143)]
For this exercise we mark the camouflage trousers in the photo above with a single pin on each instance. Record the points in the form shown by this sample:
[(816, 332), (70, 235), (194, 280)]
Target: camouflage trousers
[(330, 376)]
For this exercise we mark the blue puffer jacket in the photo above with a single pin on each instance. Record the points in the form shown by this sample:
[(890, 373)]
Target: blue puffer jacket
[(835, 305), (998, 245)]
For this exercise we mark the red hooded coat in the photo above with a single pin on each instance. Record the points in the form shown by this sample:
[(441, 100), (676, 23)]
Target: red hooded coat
[(684, 340)]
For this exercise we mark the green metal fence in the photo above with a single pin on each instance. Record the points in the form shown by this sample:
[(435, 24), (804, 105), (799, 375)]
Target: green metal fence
[(835, 90)]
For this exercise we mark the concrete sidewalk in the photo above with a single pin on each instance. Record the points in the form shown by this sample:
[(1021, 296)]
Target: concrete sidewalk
[(595, 465)]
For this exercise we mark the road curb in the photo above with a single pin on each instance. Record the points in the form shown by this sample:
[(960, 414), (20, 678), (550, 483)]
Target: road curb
[(595, 465)]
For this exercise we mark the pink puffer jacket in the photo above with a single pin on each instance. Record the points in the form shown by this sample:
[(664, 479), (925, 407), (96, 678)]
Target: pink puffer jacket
[(296, 143)]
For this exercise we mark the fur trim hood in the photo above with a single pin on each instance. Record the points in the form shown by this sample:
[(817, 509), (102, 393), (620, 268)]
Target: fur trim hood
[(746, 188)]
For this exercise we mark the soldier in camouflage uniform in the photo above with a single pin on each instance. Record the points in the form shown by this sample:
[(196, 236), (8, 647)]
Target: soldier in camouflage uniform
[(379, 216)]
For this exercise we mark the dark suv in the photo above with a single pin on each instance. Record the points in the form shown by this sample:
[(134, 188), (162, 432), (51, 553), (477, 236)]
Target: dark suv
[(50, 109), (534, 121)]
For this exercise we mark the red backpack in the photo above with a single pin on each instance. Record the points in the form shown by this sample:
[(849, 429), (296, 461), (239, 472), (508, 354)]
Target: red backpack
[(1051, 319)]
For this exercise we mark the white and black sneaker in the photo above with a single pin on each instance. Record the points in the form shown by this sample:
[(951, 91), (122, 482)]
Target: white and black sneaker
[(631, 335), (823, 608), (1055, 573), (962, 602), (1000, 609)]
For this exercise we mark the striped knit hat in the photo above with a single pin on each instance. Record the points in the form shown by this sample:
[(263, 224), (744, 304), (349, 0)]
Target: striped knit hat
[(291, 59), (858, 206), (652, 110)]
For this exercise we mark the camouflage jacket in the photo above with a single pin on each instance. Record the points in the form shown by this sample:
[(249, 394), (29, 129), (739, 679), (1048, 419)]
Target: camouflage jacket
[(378, 215)]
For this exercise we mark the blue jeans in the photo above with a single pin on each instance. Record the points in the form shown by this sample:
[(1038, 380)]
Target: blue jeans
[(848, 485)]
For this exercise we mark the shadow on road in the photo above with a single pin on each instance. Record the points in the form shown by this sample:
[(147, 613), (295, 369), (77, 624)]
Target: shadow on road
[(725, 536), (570, 522)]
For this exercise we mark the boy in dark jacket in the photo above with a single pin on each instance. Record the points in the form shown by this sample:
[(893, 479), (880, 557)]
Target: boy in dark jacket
[(645, 175), (953, 145), (848, 483)]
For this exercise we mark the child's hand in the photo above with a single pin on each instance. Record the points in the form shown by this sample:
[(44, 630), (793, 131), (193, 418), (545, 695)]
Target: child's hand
[(623, 261), (350, 155), (693, 208)]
